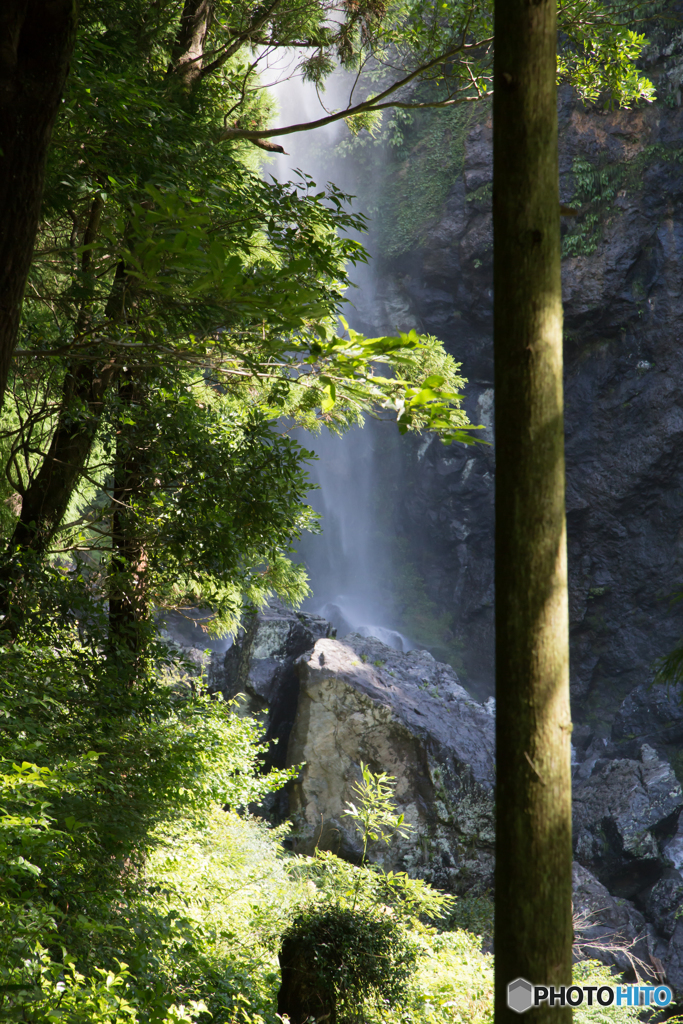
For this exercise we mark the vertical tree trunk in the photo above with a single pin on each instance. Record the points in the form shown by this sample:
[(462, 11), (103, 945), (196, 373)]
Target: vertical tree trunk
[(188, 48), (533, 926), (49, 493), (127, 570), (36, 43)]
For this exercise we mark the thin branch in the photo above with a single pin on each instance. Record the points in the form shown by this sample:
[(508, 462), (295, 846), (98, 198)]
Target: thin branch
[(366, 105), (239, 41)]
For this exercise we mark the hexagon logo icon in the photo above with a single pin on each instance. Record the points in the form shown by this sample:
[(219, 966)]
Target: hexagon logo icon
[(520, 996)]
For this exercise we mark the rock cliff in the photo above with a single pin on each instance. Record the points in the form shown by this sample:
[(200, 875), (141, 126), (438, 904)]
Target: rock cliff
[(623, 305)]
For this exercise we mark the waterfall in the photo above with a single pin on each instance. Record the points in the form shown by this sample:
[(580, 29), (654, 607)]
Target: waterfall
[(350, 564)]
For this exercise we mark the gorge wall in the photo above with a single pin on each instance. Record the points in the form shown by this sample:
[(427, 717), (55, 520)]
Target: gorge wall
[(622, 279)]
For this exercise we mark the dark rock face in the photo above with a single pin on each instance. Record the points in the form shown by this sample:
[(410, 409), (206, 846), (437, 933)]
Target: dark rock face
[(663, 903), (260, 665), (606, 928), (623, 811), (652, 715), (624, 413), (628, 843)]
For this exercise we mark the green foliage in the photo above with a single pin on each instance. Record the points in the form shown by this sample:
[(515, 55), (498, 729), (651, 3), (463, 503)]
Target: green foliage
[(226, 490), (606, 64), (340, 884), (188, 924), (597, 186), (354, 955), (88, 771), (472, 914), (408, 54), (375, 817)]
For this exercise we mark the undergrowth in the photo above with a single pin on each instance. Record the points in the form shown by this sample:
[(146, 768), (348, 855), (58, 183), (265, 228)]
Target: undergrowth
[(131, 895)]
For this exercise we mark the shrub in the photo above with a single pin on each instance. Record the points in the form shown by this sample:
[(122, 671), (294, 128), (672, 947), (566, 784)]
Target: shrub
[(335, 960)]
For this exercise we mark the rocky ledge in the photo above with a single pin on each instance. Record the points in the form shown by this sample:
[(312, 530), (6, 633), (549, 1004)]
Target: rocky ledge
[(333, 703)]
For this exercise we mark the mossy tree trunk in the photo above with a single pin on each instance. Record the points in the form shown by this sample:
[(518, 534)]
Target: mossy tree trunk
[(533, 925)]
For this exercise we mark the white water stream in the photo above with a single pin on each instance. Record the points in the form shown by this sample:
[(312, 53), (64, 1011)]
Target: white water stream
[(349, 560)]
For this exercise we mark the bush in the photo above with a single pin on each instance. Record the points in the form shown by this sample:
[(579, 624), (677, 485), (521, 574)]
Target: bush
[(335, 960)]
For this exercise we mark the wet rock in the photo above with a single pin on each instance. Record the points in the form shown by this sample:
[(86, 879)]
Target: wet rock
[(260, 665), (408, 715), (625, 810)]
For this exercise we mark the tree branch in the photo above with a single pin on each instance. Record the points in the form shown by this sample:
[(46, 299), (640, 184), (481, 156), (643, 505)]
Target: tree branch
[(367, 105), (239, 40)]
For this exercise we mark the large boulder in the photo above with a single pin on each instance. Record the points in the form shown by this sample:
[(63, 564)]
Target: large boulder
[(408, 715)]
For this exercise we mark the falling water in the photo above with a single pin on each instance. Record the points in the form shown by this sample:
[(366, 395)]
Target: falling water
[(350, 563)]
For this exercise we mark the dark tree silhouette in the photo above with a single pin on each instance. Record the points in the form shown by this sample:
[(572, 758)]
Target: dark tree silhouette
[(36, 42)]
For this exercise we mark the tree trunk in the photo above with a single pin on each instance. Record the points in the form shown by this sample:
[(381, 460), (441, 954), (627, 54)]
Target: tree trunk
[(188, 48), (533, 918), (127, 570), (48, 495), (36, 43), (301, 995)]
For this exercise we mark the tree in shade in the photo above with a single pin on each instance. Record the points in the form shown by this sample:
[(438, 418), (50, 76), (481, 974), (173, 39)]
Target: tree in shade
[(36, 43), (533, 915)]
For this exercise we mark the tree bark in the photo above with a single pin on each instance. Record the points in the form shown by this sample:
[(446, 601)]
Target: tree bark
[(127, 570), (533, 916), (36, 43), (49, 493), (188, 48)]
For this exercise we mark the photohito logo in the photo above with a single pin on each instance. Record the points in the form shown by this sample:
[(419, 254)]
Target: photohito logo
[(522, 995)]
